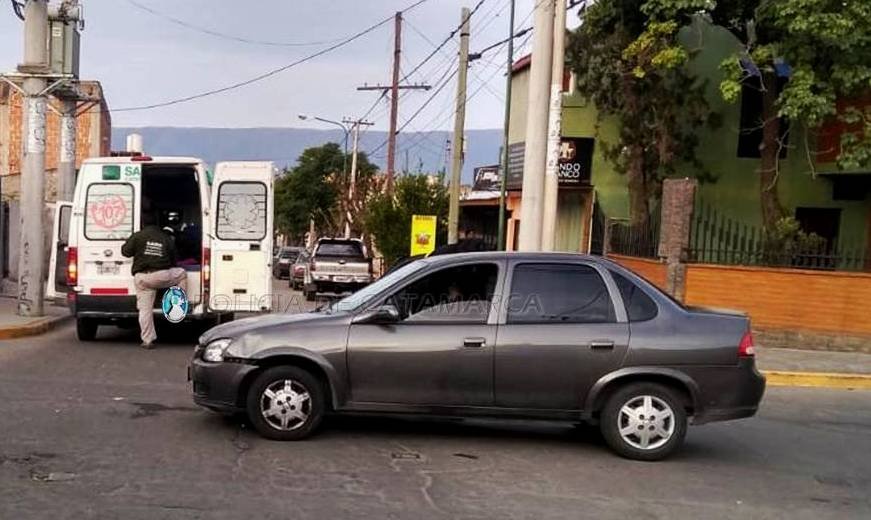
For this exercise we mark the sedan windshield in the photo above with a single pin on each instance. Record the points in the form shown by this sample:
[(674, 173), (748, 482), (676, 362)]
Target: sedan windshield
[(363, 296)]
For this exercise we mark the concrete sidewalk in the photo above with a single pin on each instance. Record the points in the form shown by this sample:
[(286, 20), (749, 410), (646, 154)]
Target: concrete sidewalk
[(815, 368), (14, 326)]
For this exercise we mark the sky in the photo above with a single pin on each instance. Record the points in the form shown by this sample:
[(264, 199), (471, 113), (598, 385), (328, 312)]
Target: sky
[(143, 58)]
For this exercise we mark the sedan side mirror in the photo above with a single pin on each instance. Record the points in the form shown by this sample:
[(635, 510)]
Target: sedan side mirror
[(382, 315)]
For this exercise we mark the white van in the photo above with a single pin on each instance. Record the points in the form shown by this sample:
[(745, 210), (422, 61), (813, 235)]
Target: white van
[(223, 232)]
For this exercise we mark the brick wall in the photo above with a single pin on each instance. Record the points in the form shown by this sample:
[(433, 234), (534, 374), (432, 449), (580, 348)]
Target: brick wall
[(653, 271), (52, 136), (786, 299), (814, 302), (91, 137)]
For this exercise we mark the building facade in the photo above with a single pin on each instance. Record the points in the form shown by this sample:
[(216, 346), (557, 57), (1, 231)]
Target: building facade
[(834, 204), (93, 139)]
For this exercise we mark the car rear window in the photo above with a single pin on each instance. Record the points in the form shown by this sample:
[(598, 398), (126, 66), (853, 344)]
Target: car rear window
[(109, 211), (639, 306), (289, 254), (339, 249)]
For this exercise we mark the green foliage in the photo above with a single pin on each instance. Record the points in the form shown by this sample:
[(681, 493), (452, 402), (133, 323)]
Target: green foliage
[(629, 63), (785, 240), (388, 217), (826, 43), (305, 192)]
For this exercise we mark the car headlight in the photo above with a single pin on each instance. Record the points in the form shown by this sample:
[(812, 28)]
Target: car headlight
[(214, 352)]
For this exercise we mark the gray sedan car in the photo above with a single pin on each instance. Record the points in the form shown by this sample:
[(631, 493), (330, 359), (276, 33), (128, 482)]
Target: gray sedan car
[(511, 335)]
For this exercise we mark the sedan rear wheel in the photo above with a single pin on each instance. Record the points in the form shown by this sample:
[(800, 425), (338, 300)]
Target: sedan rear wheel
[(644, 421), (285, 403)]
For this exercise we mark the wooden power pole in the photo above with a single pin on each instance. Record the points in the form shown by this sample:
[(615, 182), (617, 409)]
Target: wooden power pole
[(394, 89)]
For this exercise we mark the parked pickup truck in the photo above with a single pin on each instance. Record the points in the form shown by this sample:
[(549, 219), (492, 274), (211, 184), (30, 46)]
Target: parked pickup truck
[(337, 266)]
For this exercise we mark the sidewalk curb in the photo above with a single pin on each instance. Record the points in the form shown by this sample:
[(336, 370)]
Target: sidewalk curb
[(32, 329), (818, 379)]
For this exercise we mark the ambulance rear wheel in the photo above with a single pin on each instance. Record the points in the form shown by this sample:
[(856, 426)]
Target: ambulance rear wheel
[(86, 329)]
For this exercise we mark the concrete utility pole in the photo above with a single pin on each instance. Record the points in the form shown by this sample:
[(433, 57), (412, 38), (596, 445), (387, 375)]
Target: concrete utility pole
[(459, 129), (505, 155), (554, 132), (352, 182), (32, 247), (66, 167), (536, 128)]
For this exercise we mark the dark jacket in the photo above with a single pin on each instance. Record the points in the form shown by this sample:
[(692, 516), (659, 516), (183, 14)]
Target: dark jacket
[(151, 248)]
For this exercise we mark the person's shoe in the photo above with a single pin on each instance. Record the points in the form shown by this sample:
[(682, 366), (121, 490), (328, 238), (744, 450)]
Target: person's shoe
[(147, 346)]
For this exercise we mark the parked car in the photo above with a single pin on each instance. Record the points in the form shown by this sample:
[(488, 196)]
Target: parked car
[(512, 335), (112, 197), (285, 258), (338, 266), (298, 270)]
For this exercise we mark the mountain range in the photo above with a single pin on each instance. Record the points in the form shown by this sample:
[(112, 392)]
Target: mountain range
[(417, 151)]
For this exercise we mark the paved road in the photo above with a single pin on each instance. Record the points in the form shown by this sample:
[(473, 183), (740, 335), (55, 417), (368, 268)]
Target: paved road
[(107, 430)]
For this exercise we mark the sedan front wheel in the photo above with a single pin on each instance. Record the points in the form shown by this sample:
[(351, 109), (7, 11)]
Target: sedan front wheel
[(286, 403), (644, 421)]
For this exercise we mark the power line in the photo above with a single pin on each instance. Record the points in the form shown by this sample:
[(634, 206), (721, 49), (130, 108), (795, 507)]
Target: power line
[(444, 42), (225, 36), (270, 73), (17, 7), (444, 80)]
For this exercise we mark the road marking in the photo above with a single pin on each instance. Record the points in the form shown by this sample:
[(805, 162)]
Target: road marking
[(818, 379)]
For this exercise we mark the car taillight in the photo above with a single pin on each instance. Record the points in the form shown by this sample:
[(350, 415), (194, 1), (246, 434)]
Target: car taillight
[(746, 347), (207, 265), (72, 266)]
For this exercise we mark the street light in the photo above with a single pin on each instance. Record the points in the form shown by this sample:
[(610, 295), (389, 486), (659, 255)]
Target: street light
[(306, 117)]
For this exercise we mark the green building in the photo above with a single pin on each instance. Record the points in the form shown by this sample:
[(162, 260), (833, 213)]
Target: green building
[(834, 204)]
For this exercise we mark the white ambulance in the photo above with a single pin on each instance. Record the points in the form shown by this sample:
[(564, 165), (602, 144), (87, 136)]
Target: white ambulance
[(222, 227)]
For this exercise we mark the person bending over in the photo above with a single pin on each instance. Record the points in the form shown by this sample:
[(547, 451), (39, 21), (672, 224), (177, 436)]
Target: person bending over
[(154, 267)]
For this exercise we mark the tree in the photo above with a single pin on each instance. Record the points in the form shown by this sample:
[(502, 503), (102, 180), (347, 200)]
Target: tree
[(826, 44), (388, 219), (365, 185), (306, 192), (633, 69)]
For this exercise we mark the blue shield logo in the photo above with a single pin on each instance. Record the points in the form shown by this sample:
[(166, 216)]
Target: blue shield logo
[(175, 304)]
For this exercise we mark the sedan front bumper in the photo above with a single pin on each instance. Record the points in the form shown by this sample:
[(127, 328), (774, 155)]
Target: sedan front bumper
[(218, 386)]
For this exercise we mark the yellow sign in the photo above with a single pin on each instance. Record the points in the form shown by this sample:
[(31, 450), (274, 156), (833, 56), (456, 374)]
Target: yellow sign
[(423, 234)]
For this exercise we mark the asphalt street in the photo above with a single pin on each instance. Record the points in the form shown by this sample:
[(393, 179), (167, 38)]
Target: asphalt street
[(108, 430)]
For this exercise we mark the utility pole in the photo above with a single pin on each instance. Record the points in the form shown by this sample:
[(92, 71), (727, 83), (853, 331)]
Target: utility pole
[(534, 160), (32, 249), (509, 74), (66, 167), (394, 89), (352, 182), (394, 101), (459, 129), (554, 136)]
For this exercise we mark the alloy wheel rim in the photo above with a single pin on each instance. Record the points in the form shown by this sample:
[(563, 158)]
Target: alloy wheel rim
[(646, 422), (285, 404)]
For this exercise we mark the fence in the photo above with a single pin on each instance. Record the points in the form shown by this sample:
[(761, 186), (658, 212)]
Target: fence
[(639, 240), (717, 239)]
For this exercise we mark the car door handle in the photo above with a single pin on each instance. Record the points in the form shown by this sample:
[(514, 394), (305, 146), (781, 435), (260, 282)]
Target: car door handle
[(474, 342), (602, 345)]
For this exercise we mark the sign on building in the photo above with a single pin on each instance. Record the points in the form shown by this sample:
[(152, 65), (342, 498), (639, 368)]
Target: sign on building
[(487, 178), (575, 162), (423, 234)]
